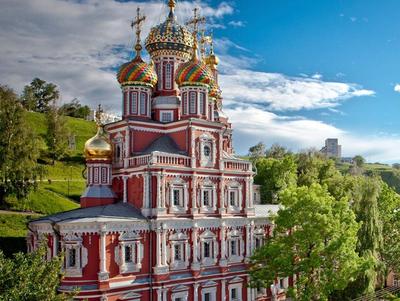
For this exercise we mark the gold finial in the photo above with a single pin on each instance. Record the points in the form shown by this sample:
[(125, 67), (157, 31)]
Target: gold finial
[(171, 4), (99, 114), (138, 23), (195, 21), (203, 41)]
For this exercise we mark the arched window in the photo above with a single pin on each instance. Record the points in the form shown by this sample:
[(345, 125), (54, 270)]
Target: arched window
[(124, 102), (143, 99), (133, 102), (158, 68), (192, 102), (202, 103), (184, 103), (168, 76)]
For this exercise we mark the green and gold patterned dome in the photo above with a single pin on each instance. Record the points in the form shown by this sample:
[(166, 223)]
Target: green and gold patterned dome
[(170, 35)]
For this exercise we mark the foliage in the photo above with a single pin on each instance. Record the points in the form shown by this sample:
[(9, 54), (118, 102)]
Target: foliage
[(277, 151), (359, 161), (30, 277), (257, 151), (274, 175), (19, 149), (320, 249), (57, 134), (75, 109), (38, 95)]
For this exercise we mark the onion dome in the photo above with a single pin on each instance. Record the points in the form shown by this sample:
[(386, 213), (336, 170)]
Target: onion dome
[(212, 61), (98, 147), (170, 35), (194, 72), (137, 72)]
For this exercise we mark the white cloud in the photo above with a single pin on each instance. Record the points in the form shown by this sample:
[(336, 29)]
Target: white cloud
[(280, 92), (397, 88), (76, 44), (317, 76), (237, 23), (252, 125)]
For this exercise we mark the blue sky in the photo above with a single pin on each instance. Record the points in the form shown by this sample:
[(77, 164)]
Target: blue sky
[(292, 72)]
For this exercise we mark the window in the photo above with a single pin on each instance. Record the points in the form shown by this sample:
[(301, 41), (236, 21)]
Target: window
[(158, 68), (133, 103), (232, 198), (235, 291), (234, 247), (207, 249), (168, 77), (234, 294), (202, 101), (207, 151), (128, 253), (207, 297), (178, 254), (258, 241), (124, 103), (206, 198), (143, 99), (192, 102), (184, 103), (209, 293), (166, 116), (71, 258), (176, 197)]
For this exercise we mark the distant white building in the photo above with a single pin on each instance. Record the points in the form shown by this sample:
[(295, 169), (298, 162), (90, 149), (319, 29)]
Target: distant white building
[(108, 118), (332, 148)]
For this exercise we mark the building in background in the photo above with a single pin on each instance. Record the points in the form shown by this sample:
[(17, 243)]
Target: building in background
[(169, 212), (106, 117), (332, 149)]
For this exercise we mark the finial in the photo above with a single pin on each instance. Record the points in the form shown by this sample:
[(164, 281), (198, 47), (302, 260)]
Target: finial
[(203, 41), (138, 23), (99, 113), (195, 23), (171, 4), (212, 43)]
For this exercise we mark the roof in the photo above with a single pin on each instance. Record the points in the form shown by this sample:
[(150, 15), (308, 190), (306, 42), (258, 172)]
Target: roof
[(266, 210), (117, 211), (164, 144)]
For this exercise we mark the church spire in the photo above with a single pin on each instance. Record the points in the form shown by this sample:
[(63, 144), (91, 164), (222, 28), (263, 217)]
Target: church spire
[(195, 21), (171, 4), (138, 24)]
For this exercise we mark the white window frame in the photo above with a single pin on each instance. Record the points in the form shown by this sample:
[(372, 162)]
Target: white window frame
[(192, 102), (74, 242), (209, 237), (134, 102), (208, 140), (235, 236), (143, 104), (180, 185), (234, 188), (209, 187), (209, 290), (170, 113), (238, 287), (168, 76), (182, 241), (184, 103), (202, 103), (131, 240), (184, 295)]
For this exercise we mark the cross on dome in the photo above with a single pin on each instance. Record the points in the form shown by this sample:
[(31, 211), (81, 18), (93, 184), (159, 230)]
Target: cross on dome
[(138, 24), (195, 21), (99, 113)]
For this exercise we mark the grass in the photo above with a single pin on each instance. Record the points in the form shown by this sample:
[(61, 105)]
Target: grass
[(72, 190), (65, 170)]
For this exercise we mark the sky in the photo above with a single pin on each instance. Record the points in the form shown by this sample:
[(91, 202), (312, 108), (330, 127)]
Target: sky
[(292, 72)]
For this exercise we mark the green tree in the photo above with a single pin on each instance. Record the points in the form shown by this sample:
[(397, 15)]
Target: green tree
[(57, 134), (277, 151), (38, 95), (30, 277), (275, 175), (19, 149), (75, 109), (320, 248), (257, 151)]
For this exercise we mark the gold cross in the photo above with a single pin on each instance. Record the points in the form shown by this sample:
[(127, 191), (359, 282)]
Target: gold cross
[(138, 23), (99, 113), (196, 20), (204, 40)]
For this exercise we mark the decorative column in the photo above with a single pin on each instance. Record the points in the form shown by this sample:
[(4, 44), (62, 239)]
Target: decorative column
[(165, 291), (55, 244), (146, 210), (159, 294), (223, 290), (252, 246), (158, 190), (222, 208), (248, 241), (158, 247), (193, 152), (125, 195), (164, 248), (195, 263), (223, 261), (195, 292), (103, 274), (194, 195), (221, 161)]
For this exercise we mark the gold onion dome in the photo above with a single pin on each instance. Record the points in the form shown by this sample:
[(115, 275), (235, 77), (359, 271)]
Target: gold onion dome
[(170, 35), (98, 147), (137, 72), (212, 61)]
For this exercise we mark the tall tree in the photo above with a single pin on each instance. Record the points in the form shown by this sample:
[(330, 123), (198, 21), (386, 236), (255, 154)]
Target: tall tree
[(38, 95), (276, 151), (314, 238), (57, 133), (75, 109), (19, 149), (275, 175), (30, 277), (257, 151)]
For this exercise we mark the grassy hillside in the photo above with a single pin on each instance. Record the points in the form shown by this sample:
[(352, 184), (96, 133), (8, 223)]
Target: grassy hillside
[(60, 189)]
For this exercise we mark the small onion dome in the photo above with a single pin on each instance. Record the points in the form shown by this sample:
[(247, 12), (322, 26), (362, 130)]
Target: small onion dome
[(212, 61), (193, 72), (137, 72), (170, 35), (215, 91), (98, 147)]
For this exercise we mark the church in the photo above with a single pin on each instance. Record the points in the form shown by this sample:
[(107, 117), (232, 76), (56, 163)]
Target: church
[(169, 212)]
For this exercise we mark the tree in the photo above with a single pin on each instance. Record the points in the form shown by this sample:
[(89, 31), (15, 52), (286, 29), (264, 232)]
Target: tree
[(30, 277), (275, 175), (75, 109), (359, 161), (57, 134), (38, 95), (257, 151), (19, 148), (276, 151), (314, 238)]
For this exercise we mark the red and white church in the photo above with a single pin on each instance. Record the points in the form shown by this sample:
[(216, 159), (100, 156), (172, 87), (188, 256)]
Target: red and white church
[(169, 212)]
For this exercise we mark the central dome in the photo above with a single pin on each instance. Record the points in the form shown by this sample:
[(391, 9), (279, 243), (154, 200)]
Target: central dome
[(170, 35)]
